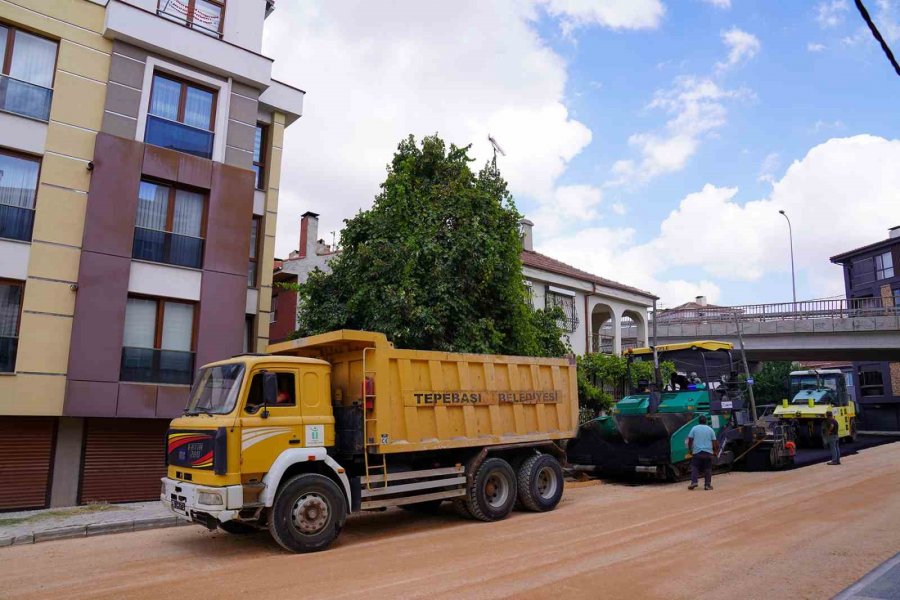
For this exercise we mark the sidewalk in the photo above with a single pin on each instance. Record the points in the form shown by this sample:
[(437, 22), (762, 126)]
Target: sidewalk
[(30, 527), (882, 583)]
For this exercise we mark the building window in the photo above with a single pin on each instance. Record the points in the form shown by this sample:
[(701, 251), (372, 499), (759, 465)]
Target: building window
[(274, 312), (260, 143), (567, 304), (158, 342), (18, 182), (253, 267), (169, 225), (27, 66), (181, 116), (249, 336), (871, 382), (204, 16), (884, 266), (10, 316)]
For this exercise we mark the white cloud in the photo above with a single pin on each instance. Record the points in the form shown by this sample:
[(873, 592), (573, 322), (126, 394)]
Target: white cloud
[(821, 125), (768, 167), (376, 73), (618, 208), (844, 185), (719, 3), (615, 14), (696, 107), (815, 47), (831, 13), (887, 18), (742, 46)]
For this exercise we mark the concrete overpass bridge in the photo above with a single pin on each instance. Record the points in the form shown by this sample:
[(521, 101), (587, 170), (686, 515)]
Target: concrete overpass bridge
[(854, 330)]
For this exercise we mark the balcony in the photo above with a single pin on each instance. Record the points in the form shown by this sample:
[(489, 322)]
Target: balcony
[(169, 248), (178, 136), (16, 222), (8, 346), (148, 365), (26, 99)]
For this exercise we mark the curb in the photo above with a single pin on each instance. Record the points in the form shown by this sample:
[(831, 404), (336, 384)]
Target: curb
[(92, 529)]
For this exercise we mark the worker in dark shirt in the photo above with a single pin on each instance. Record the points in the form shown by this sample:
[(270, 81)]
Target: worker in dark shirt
[(831, 436)]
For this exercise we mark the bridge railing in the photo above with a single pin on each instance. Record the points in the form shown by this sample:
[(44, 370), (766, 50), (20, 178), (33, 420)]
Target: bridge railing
[(806, 309)]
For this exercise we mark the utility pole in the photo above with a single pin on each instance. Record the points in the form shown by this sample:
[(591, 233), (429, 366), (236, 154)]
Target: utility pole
[(737, 324), (791, 238)]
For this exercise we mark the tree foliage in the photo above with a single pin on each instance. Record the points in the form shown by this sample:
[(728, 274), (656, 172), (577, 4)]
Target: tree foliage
[(434, 264), (771, 383), (600, 374)]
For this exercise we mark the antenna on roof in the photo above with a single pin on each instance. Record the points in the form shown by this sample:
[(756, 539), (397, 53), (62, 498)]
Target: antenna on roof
[(497, 148)]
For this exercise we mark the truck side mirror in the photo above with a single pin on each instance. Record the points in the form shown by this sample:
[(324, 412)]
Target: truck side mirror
[(270, 392)]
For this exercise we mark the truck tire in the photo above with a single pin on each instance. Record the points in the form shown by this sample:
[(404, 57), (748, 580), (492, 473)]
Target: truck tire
[(540, 483), (307, 513), (819, 439), (238, 528), (854, 435), (459, 504), (492, 494)]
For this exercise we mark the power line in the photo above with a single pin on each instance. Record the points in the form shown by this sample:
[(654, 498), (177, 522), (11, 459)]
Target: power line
[(877, 34)]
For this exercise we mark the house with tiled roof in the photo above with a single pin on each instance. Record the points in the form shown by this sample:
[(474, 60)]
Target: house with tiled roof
[(601, 315)]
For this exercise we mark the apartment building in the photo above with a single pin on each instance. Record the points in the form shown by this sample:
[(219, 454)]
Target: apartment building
[(872, 283), (140, 159)]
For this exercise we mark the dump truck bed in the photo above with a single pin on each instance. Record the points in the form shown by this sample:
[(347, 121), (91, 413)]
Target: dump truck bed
[(423, 400)]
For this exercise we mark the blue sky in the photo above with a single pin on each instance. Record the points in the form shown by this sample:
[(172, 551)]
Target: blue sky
[(614, 114)]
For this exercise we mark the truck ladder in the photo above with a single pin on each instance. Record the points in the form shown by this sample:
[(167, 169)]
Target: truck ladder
[(371, 469)]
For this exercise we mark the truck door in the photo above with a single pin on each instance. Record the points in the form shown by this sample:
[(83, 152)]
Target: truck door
[(266, 431)]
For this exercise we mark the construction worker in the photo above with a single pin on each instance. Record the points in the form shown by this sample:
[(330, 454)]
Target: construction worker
[(831, 436), (703, 445)]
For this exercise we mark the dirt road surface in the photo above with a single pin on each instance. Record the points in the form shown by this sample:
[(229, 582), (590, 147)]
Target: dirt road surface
[(807, 533)]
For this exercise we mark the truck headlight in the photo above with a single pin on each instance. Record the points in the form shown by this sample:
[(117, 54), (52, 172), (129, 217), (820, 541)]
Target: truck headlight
[(209, 498)]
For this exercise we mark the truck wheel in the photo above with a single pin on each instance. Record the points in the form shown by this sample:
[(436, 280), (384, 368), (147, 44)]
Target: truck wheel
[(819, 440), (459, 504), (237, 528), (307, 513), (492, 494), (540, 483)]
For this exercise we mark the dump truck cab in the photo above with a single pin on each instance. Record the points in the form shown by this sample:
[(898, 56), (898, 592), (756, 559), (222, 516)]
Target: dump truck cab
[(247, 419), (814, 392)]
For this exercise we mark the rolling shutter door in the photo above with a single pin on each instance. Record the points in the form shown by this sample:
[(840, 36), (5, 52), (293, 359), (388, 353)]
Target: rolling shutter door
[(26, 455), (124, 460)]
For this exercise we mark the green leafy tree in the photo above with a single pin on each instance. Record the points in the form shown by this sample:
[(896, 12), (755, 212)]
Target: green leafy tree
[(434, 264), (771, 383), (600, 374)]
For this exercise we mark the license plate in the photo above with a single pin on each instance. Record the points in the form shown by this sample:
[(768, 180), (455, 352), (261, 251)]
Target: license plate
[(178, 505)]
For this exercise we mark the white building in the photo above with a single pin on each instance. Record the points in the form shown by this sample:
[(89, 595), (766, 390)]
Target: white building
[(602, 315)]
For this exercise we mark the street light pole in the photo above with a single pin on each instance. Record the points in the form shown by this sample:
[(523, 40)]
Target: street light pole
[(791, 237)]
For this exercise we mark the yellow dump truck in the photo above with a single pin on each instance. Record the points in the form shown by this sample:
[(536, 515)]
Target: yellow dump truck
[(295, 440)]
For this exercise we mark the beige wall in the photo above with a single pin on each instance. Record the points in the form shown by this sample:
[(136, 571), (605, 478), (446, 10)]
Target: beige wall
[(76, 113), (273, 182)]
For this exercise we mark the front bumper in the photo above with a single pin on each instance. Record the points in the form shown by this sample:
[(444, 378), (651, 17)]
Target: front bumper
[(183, 499)]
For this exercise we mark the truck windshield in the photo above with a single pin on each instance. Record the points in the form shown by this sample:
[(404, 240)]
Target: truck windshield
[(215, 390), (810, 382)]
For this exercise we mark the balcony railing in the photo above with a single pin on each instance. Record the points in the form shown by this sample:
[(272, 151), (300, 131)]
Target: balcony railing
[(178, 136), (8, 347), (177, 11), (23, 98), (148, 365), (166, 247), (16, 222)]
